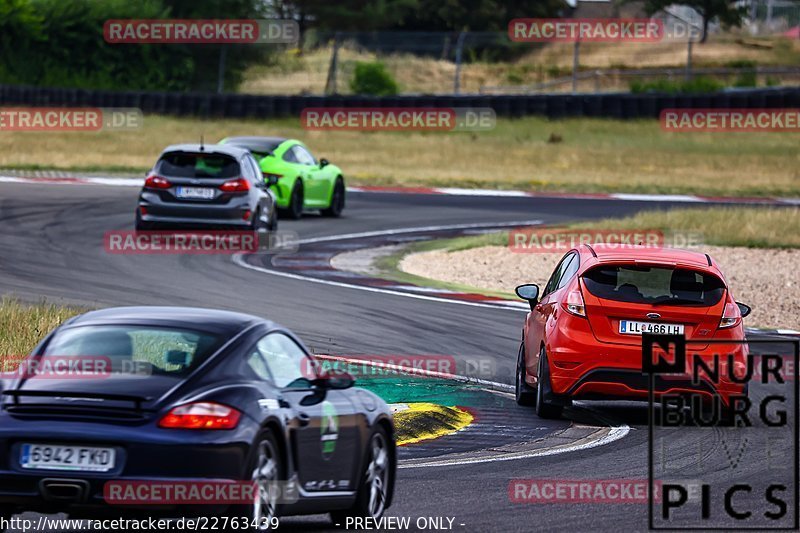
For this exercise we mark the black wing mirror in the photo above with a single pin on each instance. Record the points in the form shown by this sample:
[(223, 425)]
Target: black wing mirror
[(270, 179), (744, 309), (529, 292), (324, 163), (334, 379)]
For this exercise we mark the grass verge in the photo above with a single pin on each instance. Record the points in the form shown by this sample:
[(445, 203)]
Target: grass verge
[(590, 155), (23, 325), (751, 227)]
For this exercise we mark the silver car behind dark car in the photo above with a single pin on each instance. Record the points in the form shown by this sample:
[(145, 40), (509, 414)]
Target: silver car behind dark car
[(195, 185)]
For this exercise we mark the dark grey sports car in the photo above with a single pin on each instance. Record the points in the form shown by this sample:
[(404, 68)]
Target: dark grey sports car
[(195, 185), (216, 396)]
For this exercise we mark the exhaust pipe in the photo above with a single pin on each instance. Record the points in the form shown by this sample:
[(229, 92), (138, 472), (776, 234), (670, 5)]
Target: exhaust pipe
[(64, 490)]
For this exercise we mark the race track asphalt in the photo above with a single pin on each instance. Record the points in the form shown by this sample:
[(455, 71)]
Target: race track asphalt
[(51, 246)]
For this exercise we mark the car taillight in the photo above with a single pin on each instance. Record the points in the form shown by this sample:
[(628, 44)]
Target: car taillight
[(235, 185), (731, 316), (201, 415), (574, 303), (156, 182)]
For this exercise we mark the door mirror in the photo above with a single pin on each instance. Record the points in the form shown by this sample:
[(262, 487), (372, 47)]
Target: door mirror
[(744, 309), (270, 179), (323, 163), (529, 292), (335, 379)]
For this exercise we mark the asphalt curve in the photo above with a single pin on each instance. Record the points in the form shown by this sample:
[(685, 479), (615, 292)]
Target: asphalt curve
[(51, 246)]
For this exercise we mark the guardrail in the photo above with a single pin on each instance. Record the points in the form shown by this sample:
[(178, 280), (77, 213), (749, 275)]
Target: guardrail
[(611, 105)]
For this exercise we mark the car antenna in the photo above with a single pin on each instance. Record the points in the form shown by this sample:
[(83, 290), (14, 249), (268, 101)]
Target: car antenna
[(202, 148)]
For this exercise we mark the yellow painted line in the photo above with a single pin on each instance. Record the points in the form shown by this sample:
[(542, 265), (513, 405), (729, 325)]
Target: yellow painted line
[(426, 421)]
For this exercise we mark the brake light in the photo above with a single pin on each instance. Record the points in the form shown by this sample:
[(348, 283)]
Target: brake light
[(235, 185), (201, 415), (156, 182), (731, 316), (574, 303)]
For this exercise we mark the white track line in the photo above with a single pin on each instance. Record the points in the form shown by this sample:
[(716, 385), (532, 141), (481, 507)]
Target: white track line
[(239, 260), (615, 432)]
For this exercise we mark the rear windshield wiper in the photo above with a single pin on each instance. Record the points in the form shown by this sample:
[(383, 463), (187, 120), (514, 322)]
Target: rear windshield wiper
[(671, 301)]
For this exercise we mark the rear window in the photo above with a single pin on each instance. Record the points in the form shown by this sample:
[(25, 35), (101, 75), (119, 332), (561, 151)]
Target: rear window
[(167, 350), (654, 285), (186, 165)]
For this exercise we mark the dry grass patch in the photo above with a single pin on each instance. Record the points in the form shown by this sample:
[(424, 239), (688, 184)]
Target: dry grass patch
[(22, 325)]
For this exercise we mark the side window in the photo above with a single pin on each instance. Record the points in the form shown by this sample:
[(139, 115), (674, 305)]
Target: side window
[(286, 362), (569, 271), (256, 363), (552, 283), (289, 156), (303, 156)]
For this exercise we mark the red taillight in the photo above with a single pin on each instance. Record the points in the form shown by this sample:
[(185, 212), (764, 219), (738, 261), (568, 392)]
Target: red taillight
[(731, 316), (156, 182), (574, 303), (246, 215), (201, 415), (235, 185)]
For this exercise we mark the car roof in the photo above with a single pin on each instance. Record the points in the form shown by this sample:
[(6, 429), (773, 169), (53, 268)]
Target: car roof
[(196, 318), (657, 254), (256, 144), (227, 149)]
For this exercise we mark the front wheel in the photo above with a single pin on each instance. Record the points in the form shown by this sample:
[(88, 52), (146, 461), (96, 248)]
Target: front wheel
[(337, 200), (524, 393), (373, 489)]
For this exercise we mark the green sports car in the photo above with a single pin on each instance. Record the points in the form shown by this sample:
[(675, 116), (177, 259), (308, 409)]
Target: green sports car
[(297, 178)]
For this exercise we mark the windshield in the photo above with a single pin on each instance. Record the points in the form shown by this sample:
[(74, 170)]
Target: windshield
[(185, 165), (654, 285), (162, 350)]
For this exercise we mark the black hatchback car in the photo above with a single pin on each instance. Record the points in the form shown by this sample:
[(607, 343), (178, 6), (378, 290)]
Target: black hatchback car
[(191, 396), (195, 185)]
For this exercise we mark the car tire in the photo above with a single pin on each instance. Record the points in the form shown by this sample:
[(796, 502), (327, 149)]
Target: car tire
[(265, 467), (272, 225), (524, 393), (545, 407), (295, 208), (337, 199), (141, 225), (374, 486)]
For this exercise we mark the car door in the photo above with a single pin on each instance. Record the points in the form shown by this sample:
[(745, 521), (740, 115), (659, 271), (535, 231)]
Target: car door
[(316, 183), (325, 437), (546, 308)]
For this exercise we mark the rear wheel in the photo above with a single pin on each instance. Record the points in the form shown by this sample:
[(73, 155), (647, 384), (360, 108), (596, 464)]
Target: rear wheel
[(265, 469), (295, 208), (524, 393), (337, 200), (373, 489), (545, 407)]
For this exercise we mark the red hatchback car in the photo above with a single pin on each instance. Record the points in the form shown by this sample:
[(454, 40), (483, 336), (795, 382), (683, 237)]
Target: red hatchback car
[(582, 338)]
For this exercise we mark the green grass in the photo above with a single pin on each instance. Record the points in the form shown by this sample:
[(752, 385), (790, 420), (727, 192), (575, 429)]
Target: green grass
[(751, 227), (23, 325), (594, 155)]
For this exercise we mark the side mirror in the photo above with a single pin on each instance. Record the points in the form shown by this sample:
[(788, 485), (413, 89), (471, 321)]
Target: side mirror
[(529, 292), (335, 379), (270, 179), (324, 163), (744, 309)]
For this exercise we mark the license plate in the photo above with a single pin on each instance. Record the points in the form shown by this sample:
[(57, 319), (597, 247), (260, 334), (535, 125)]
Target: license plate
[(195, 193), (629, 327), (52, 457)]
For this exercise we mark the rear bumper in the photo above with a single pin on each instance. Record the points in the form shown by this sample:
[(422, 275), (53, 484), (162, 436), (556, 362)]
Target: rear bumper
[(153, 209), (582, 367)]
